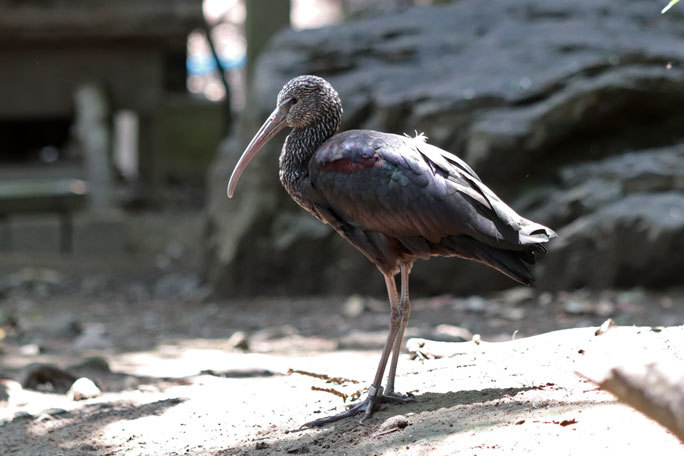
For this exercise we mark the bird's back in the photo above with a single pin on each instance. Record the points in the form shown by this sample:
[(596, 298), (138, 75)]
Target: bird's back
[(424, 200)]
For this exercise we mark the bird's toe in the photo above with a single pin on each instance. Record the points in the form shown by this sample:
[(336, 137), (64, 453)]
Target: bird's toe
[(396, 398)]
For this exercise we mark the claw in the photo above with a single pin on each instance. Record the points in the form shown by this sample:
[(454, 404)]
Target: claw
[(391, 396), (353, 410), (368, 406)]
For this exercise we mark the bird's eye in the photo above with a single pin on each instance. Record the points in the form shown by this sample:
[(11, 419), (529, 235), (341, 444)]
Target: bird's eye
[(294, 101)]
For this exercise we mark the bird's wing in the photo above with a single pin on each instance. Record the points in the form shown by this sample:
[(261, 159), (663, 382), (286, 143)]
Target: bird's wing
[(403, 187)]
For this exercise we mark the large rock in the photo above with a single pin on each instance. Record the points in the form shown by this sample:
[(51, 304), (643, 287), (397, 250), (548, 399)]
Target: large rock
[(518, 89), (637, 240), (584, 188), (622, 219)]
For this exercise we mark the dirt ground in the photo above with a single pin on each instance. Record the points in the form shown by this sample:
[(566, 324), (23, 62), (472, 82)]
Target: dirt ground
[(184, 373)]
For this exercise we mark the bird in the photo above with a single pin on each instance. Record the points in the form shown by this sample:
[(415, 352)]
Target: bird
[(396, 199)]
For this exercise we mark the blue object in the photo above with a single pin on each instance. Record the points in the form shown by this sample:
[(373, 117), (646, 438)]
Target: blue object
[(205, 64)]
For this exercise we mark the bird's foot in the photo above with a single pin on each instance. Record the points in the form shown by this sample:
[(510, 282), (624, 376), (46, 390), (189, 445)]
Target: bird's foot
[(368, 406), (391, 396)]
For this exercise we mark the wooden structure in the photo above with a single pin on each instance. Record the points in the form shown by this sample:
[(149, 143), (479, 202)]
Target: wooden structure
[(135, 49), (62, 197)]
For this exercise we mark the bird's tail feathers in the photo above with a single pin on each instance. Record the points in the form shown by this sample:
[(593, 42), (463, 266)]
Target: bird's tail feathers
[(509, 262), (533, 233)]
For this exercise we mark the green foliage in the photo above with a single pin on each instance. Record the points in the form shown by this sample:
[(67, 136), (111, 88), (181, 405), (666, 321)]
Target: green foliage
[(669, 5)]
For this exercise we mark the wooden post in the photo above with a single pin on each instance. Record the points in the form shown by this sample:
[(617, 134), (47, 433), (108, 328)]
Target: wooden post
[(93, 132), (264, 19)]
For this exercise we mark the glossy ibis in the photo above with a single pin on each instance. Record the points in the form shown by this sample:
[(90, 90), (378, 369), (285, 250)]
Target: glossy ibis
[(394, 198)]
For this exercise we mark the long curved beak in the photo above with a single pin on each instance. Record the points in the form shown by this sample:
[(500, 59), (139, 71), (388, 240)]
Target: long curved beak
[(270, 128)]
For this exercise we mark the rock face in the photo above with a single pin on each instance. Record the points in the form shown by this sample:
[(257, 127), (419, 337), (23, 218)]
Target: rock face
[(523, 91), (636, 240), (622, 219)]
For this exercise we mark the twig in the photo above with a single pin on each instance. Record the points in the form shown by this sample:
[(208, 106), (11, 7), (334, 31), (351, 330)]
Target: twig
[(331, 391), (335, 380)]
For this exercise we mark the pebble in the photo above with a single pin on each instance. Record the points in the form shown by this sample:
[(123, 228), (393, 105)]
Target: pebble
[(29, 350), (82, 389), (477, 304), (239, 340), (513, 313), (605, 327), (353, 306), (516, 295), (395, 422), (578, 307)]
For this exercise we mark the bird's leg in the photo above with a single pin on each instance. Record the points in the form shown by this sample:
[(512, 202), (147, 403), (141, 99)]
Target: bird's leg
[(405, 311), (375, 391)]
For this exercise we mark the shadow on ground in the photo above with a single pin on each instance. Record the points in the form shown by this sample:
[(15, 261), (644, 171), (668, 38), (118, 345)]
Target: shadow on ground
[(430, 416), (55, 434)]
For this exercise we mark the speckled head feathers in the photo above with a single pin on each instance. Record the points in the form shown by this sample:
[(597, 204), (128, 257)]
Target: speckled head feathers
[(313, 100)]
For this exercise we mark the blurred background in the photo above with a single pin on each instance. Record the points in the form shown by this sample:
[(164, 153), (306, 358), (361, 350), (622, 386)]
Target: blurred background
[(120, 123)]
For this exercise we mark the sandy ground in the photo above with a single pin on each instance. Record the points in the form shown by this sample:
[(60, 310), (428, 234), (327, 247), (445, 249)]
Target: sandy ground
[(518, 397), (184, 373), (178, 384)]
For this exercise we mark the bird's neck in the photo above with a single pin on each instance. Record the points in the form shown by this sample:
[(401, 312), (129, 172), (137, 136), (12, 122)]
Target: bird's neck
[(300, 146)]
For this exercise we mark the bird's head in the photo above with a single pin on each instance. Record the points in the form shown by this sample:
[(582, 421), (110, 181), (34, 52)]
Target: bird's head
[(303, 102), (308, 98)]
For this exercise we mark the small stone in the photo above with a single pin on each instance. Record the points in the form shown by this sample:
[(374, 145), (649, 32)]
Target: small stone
[(516, 295), (545, 298), (353, 306), (82, 389), (513, 313), (605, 327), (477, 304), (239, 340), (29, 350), (578, 307), (395, 422)]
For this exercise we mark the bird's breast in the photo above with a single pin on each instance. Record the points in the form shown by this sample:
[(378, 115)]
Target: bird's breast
[(298, 185)]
